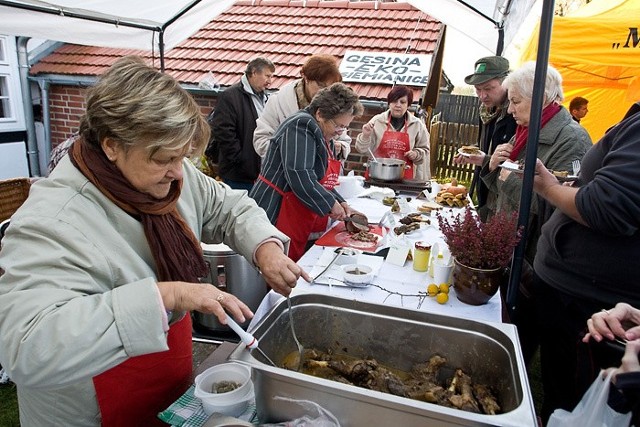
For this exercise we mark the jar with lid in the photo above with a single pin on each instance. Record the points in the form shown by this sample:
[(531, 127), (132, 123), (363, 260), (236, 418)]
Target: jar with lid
[(421, 256)]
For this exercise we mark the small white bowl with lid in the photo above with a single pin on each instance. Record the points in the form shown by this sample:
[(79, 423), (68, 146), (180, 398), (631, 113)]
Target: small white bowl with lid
[(225, 388), (358, 275), (347, 256)]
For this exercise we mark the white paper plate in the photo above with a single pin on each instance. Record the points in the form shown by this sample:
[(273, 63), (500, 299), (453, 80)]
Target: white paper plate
[(463, 154), (511, 166)]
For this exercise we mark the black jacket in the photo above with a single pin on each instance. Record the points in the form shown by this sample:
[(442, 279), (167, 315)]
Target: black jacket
[(232, 126), (497, 131)]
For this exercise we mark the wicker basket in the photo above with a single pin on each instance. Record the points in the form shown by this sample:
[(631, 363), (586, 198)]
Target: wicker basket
[(13, 192)]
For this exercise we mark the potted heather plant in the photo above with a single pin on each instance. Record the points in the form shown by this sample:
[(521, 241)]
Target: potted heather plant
[(481, 252)]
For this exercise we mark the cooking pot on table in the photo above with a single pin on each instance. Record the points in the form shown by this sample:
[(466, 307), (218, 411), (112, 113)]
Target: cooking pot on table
[(232, 273), (385, 169)]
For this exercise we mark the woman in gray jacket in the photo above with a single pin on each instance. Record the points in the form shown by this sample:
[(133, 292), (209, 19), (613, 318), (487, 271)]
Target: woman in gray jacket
[(102, 262), (318, 72)]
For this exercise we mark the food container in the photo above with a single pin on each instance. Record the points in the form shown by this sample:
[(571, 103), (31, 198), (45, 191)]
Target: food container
[(348, 256), (357, 274), (421, 256), (385, 169), (232, 403), (230, 272), (395, 337)]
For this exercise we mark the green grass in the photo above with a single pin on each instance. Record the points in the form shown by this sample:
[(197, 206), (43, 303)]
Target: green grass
[(9, 406)]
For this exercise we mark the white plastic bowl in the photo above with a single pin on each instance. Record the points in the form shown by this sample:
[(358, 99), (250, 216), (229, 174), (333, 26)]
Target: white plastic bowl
[(357, 274), (348, 256), (232, 403)]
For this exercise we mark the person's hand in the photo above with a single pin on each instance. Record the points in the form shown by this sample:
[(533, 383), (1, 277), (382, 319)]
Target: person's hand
[(609, 324), (205, 298), (543, 179), (349, 211), (340, 147), (502, 153), (278, 270), (504, 174), (630, 361), (473, 159), (411, 155), (366, 131), (337, 212)]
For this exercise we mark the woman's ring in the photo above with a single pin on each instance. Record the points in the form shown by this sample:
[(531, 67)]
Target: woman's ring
[(605, 311), (220, 298)]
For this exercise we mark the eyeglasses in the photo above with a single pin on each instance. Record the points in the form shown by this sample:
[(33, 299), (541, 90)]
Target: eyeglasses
[(339, 127)]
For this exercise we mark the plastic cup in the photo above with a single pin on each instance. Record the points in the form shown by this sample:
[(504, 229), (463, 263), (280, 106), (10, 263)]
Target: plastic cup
[(442, 272)]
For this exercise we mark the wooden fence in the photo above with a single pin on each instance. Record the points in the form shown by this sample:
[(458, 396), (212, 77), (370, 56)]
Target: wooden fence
[(446, 138)]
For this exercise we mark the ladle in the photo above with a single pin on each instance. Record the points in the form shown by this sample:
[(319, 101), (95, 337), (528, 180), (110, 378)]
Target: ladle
[(298, 362), (249, 340), (372, 155)]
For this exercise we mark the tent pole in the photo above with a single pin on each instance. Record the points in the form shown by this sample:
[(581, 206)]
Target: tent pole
[(161, 48), (544, 40)]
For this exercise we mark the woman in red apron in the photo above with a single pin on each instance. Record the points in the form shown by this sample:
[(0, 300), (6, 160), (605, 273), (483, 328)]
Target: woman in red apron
[(397, 134), (102, 263), (299, 173)]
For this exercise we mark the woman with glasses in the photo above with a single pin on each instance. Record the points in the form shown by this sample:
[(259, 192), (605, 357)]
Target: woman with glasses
[(296, 183), (397, 134), (318, 72)]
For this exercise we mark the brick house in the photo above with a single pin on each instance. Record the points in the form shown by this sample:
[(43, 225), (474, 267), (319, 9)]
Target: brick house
[(285, 31)]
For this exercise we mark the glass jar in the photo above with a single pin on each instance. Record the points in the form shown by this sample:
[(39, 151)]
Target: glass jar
[(421, 256)]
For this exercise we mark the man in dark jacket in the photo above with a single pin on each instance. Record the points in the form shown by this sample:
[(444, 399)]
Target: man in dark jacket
[(496, 125), (233, 123)]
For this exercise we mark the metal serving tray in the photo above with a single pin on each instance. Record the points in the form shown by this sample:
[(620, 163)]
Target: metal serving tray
[(395, 337)]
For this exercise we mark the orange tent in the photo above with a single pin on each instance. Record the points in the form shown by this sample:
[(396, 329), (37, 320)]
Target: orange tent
[(597, 51)]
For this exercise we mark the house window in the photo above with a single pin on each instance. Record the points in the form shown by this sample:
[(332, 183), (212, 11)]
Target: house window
[(11, 114), (5, 105)]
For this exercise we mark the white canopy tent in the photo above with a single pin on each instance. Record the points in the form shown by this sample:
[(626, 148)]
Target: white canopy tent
[(142, 24), (475, 28), (479, 26)]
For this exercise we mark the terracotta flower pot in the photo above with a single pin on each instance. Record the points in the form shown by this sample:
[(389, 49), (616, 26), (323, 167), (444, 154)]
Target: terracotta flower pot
[(476, 286)]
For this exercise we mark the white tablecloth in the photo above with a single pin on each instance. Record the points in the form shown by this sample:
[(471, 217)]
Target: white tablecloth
[(392, 285)]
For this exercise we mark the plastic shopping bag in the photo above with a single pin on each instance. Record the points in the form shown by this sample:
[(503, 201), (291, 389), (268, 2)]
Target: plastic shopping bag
[(315, 415), (592, 410)]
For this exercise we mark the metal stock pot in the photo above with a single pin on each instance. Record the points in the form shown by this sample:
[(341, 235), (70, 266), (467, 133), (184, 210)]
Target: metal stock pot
[(230, 272), (385, 169)]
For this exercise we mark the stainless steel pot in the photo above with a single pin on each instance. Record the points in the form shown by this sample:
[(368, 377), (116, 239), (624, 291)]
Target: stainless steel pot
[(230, 272), (385, 169)]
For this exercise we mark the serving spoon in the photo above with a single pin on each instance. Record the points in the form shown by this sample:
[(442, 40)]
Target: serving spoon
[(372, 155), (297, 363)]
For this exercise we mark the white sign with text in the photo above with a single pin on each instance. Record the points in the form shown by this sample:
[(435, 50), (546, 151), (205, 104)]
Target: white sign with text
[(385, 68)]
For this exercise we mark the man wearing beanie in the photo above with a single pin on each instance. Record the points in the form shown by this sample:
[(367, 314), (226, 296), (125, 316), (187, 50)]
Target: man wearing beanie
[(496, 125)]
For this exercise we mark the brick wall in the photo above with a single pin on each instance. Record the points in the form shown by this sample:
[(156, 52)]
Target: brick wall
[(355, 160), (67, 106)]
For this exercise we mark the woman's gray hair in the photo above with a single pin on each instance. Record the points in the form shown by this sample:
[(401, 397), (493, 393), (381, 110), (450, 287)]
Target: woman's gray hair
[(335, 100), (136, 105), (521, 81)]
